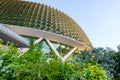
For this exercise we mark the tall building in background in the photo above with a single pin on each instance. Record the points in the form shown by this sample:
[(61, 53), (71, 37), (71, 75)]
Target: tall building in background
[(109, 49), (50, 28), (118, 47)]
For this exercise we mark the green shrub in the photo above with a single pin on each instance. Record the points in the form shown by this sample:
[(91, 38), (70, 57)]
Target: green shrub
[(93, 72), (1, 41), (34, 65)]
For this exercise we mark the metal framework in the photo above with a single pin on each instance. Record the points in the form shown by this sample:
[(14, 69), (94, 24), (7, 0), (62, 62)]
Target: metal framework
[(48, 36), (8, 35)]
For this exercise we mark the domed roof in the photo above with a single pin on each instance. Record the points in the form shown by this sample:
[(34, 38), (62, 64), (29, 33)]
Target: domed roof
[(40, 16)]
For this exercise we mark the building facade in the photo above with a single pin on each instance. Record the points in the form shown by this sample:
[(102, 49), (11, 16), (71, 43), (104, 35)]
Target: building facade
[(48, 26)]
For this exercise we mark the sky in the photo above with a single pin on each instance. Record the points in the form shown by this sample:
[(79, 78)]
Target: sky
[(100, 19)]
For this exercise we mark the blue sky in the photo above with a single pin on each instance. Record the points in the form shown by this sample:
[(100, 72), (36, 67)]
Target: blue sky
[(100, 19)]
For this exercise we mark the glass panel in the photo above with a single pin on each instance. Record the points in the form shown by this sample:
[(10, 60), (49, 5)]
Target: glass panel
[(29, 38), (43, 46), (61, 48)]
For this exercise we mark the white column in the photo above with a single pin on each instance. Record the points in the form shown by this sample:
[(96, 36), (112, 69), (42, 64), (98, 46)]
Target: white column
[(53, 48), (38, 41), (24, 50), (68, 54)]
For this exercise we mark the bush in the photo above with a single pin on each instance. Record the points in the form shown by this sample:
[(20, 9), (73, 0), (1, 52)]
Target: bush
[(1, 41), (34, 65), (108, 60), (93, 72)]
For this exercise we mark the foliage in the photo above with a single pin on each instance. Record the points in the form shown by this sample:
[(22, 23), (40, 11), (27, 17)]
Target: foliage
[(34, 65), (8, 54), (1, 41), (93, 72), (117, 66), (108, 60)]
